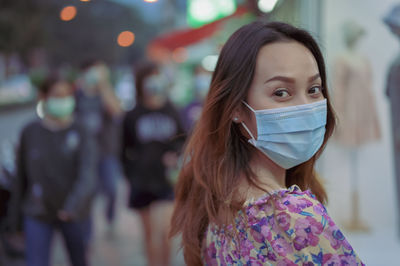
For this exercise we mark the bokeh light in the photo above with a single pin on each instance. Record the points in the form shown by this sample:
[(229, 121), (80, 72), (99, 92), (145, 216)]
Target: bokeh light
[(85, 0), (40, 109), (179, 55), (150, 1), (68, 13), (126, 38), (267, 5), (209, 62), (158, 53), (203, 10)]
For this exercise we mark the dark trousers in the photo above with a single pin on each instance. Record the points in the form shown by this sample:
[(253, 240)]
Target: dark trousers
[(39, 235), (109, 171)]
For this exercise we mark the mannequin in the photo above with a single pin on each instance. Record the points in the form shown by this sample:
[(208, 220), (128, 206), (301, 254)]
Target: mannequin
[(392, 20), (354, 102)]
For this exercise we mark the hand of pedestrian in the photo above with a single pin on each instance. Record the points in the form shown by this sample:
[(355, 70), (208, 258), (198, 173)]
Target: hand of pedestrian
[(103, 73), (64, 216)]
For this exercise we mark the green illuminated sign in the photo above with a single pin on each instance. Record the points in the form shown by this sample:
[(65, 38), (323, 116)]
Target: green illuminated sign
[(201, 12)]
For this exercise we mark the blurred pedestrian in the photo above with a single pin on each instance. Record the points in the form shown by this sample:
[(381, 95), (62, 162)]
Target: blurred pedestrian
[(56, 177), (392, 20), (201, 84), (99, 111), (248, 194), (152, 139)]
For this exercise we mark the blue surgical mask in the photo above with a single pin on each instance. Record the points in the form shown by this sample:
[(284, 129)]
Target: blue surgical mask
[(60, 107), (291, 135)]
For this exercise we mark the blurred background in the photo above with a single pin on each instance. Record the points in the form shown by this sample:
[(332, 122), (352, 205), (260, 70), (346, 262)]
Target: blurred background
[(184, 37)]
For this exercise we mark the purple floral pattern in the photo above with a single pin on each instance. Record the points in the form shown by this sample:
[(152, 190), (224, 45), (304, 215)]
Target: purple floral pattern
[(286, 227)]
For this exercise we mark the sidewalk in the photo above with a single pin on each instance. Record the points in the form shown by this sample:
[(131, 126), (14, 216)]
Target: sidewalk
[(123, 246)]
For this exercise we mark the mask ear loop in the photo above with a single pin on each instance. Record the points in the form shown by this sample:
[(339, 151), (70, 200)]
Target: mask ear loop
[(248, 106), (244, 125), (248, 130)]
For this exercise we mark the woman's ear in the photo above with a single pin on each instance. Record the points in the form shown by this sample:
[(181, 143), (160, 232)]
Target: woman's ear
[(237, 115)]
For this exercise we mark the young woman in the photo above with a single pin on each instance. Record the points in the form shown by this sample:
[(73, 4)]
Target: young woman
[(248, 193), (152, 137), (56, 177), (99, 112)]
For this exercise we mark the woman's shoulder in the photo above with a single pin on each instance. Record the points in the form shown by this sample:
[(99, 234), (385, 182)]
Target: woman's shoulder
[(134, 114), (291, 199), (32, 129), (33, 125), (288, 225), (297, 219), (285, 209)]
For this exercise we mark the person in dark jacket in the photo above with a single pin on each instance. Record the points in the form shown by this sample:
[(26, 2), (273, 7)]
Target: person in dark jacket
[(152, 139), (98, 111), (56, 182)]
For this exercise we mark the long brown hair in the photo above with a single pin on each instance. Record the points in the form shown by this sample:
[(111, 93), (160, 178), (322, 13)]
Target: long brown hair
[(217, 154)]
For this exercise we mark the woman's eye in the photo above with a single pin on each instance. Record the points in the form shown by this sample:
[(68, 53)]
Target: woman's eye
[(281, 93), (316, 90)]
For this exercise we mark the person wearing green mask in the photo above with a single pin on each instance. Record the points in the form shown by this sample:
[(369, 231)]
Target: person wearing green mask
[(60, 108), (56, 177)]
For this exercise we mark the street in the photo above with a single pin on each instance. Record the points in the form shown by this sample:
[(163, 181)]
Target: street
[(121, 245)]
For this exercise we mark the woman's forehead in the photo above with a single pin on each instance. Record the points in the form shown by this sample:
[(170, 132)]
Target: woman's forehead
[(287, 58), (61, 88)]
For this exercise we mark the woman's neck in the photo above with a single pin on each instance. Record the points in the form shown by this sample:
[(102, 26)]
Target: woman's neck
[(57, 123), (269, 176), (268, 172), (154, 102)]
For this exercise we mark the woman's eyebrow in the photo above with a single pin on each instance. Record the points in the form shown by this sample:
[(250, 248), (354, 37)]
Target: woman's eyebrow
[(313, 78), (291, 80), (281, 78)]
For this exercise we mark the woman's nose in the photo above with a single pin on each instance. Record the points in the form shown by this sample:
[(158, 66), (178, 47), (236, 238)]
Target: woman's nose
[(303, 99)]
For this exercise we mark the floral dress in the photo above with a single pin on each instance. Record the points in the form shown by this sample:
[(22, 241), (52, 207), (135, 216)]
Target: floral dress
[(286, 227)]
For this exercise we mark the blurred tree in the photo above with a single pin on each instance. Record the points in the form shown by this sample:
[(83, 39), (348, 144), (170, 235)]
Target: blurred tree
[(21, 27), (28, 24), (93, 33)]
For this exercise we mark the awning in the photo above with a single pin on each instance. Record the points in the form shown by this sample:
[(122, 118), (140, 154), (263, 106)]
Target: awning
[(168, 42)]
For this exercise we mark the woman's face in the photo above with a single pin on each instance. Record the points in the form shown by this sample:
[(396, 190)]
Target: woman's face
[(60, 102), (60, 90), (155, 90), (286, 74)]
